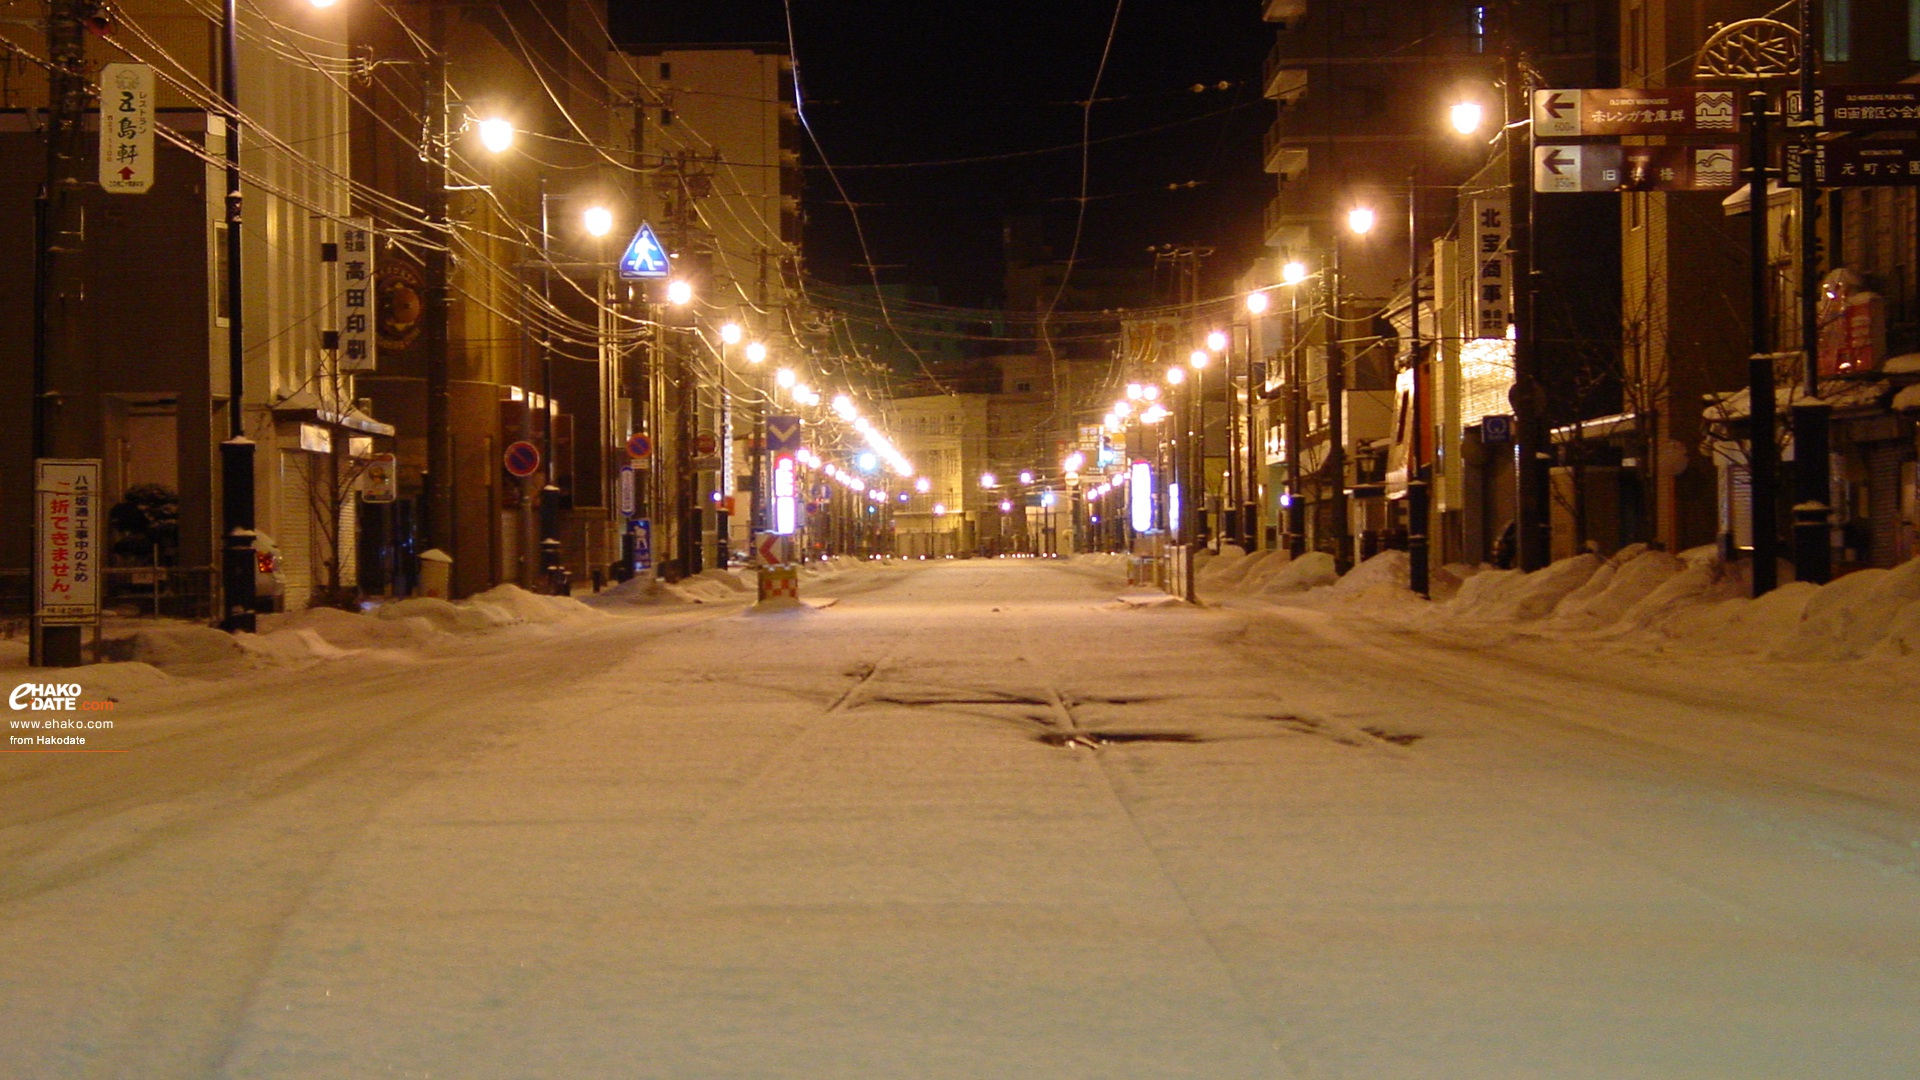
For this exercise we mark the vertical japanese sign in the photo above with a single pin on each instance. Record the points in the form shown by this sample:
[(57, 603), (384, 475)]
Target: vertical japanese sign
[(354, 285), (1492, 291), (66, 540), (126, 129)]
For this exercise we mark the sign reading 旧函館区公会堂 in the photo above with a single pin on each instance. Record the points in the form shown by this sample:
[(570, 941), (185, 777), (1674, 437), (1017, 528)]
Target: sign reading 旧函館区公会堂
[(1861, 107)]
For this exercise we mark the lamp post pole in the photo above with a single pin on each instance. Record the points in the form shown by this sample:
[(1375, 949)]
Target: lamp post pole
[(236, 453), (1419, 495), (1812, 549), (1336, 466), (1296, 405), (1763, 453)]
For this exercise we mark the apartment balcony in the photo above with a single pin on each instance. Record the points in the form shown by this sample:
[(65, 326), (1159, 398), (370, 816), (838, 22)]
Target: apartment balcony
[(1286, 77), (1286, 229), (1288, 160), (1283, 11)]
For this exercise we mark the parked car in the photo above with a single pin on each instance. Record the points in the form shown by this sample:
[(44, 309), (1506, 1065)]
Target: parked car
[(269, 586)]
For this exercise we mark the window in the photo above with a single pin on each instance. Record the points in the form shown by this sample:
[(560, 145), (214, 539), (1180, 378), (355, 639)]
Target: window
[(1467, 26), (222, 300), (666, 71), (666, 117), (1838, 30), (1637, 39), (1364, 21), (1365, 101), (1569, 28), (1913, 30)]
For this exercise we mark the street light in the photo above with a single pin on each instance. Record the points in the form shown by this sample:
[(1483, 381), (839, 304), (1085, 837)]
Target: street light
[(598, 221), (1465, 117), (496, 134)]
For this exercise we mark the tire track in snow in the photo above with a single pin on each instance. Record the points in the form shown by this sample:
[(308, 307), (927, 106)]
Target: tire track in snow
[(1257, 1019)]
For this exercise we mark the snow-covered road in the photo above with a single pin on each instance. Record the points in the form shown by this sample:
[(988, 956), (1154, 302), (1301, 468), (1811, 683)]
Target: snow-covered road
[(976, 820)]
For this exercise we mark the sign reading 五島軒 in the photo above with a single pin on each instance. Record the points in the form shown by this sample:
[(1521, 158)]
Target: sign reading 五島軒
[(66, 540), (126, 129)]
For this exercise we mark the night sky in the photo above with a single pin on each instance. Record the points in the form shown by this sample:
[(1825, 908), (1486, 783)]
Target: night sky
[(897, 91)]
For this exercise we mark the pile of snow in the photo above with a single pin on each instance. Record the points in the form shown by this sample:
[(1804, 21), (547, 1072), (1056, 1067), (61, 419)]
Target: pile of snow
[(532, 607), (1691, 599), (1860, 614), (1232, 572), (472, 617), (1217, 563), (108, 681), (1389, 569), (176, 645), (1310, 571), (1624, 580), (727, 578)]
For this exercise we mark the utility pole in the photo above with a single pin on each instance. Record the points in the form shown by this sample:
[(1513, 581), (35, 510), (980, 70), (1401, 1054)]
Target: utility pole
[(58, 288), (438, 489), (1531, 438)]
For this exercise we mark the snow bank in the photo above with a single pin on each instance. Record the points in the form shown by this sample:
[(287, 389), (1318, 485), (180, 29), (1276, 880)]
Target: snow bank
[(1234, 572), (532, 607), (175, 645), (727, 578), (1517, 595), (1852, 616), (1629, 577), (1389, 569), (1309, 571), (473, 617), (1217, 565), (1743, 624), (97, 681)]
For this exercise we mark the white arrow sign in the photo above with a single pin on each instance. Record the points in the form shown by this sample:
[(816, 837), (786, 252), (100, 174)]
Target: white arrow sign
[(1556, 113)]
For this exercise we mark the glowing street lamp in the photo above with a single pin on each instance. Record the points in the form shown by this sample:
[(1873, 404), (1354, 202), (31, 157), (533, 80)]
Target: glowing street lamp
[(598, 221), (1360, 220), (1257, 302), (1293, 273), (679, 292), (731, 333), (1217, 340), (496, 134), (1465, 117)]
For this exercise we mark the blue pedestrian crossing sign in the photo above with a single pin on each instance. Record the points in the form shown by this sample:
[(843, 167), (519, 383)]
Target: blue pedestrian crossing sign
[(645, 258)]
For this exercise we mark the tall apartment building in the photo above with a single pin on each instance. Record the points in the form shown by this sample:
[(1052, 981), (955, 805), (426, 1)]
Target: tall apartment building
[(715, 134)]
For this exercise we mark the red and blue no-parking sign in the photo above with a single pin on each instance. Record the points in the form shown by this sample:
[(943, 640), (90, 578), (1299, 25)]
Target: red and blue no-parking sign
[(523, 459)]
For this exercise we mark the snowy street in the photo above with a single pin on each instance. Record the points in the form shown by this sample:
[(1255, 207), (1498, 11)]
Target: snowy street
[(974, 820)]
